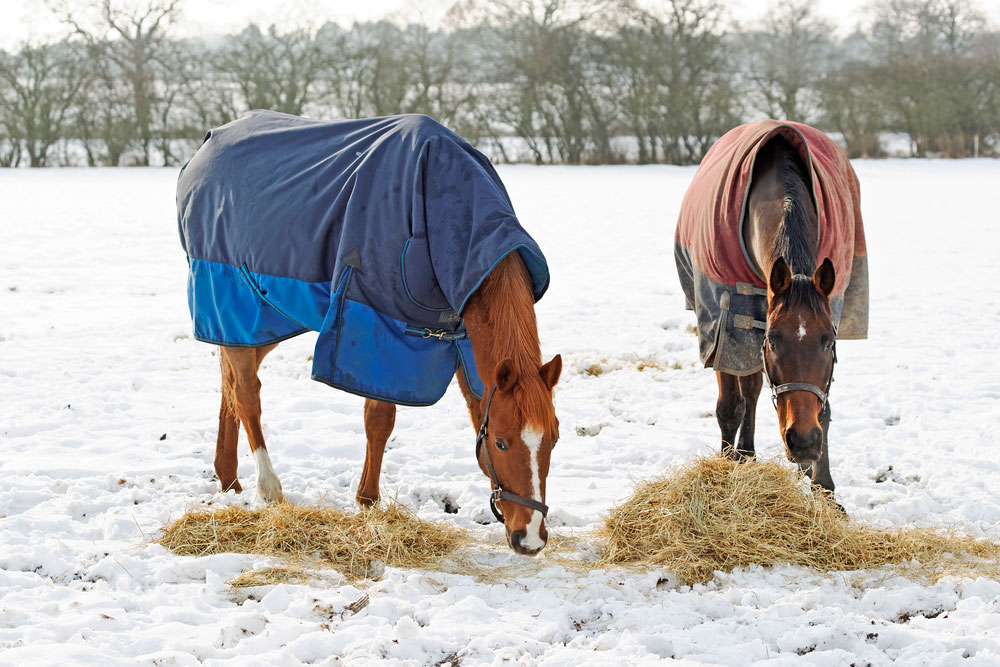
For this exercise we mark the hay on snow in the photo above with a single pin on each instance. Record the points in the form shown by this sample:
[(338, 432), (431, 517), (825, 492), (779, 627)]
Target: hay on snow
[(714, 514), (350, 542)]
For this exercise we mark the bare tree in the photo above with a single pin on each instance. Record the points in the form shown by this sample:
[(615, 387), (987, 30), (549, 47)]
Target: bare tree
[(133, 37), (787, 57), (41, 86), (632, 77), (541, 84), (851, 104), (926, 71), (277, 70), (697, 97), (105, 116)]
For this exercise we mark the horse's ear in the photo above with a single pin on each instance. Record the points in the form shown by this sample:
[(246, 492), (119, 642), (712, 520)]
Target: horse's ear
[(505, 375), (781, 278), (550, 371), (825, 277)]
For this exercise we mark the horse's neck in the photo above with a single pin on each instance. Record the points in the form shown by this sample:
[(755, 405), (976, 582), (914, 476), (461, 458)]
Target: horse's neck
[(500, 319), (781, 221)]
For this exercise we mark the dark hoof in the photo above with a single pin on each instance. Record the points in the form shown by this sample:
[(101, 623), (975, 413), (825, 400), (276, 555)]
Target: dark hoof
[(365, 501), (738, 455), (829, 496)]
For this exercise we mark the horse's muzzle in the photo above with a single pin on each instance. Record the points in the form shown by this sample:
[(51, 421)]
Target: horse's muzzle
[(516, 543), (804, 448)]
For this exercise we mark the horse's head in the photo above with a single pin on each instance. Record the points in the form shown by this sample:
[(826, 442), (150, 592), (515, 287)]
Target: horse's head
[(799, 354), (519, 431)]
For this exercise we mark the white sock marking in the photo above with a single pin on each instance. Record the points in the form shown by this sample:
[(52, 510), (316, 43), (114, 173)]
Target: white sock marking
[(802, 329), (268, 485), (532, 540)]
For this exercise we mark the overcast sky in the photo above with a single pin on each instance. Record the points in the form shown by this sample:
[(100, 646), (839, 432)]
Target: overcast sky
[(21, 20)]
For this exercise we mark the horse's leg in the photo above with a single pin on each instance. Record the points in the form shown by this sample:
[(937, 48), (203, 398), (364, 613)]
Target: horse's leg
[(729, 412), (245, 363), (380, 417), (229, 431), (821, 469), (471, 402), (750, 390)]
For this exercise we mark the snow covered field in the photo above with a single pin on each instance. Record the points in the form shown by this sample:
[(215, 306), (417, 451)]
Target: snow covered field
[(108, 411)]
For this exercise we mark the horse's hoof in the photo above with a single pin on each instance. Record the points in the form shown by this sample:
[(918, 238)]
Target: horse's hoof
[(364, 501), (270, 490), (268, 485)]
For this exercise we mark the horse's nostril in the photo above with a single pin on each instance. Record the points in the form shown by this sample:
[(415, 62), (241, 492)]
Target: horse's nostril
[(804, 448), (515, 539)]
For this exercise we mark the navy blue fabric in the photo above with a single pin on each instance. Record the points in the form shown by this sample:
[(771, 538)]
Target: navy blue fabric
[(374, 232)]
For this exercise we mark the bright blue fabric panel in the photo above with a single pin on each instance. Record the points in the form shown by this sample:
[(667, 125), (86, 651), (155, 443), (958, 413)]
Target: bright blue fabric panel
[(227, 310), (369, 354)]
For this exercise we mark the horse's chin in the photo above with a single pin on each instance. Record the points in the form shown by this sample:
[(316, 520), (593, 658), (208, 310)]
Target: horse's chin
[(801, 461)]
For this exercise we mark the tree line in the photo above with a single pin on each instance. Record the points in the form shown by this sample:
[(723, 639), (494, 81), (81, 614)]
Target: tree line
[(545, 81)]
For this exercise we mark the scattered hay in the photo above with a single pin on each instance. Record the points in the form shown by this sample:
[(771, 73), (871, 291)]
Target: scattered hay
[(714, 514), (355, 544), (269, 576), (629, 362)]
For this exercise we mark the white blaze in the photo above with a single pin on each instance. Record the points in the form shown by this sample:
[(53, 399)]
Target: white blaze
[(532, 438), (268, 485), (802, 329)]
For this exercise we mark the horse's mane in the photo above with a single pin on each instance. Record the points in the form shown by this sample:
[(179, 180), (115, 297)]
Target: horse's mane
[(509, 308), (801, 293), (797, 236)]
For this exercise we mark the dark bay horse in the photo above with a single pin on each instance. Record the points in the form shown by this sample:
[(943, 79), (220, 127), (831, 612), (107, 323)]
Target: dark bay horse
[(781, 234), (778, 186), (396, 241)]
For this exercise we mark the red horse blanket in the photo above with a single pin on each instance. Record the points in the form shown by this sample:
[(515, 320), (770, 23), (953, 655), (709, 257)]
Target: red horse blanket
[(712, 260)]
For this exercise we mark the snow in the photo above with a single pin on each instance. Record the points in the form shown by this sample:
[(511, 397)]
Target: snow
[(109, 411)]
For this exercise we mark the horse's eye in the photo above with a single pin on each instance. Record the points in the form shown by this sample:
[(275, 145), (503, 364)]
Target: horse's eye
[(501, 444), (828, 346), (770, 344)]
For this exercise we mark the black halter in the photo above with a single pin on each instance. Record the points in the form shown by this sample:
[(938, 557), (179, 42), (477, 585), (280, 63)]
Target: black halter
[(786, 387), (498, 492)]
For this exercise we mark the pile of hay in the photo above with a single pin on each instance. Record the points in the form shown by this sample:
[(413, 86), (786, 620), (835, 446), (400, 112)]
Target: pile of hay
[(714, 514), (352, 543)]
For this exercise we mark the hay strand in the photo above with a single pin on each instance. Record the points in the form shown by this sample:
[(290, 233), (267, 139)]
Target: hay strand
[(714, 514), (356, 543)]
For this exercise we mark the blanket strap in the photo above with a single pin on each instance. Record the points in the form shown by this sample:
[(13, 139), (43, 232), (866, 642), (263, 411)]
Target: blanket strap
[(746, 289), (741, 321), (747, 322)]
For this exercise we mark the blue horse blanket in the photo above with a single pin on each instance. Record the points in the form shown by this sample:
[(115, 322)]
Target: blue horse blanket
[(373, 232)]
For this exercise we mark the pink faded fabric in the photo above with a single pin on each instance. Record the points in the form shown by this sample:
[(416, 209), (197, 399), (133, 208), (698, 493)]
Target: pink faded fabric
[(709, 225)]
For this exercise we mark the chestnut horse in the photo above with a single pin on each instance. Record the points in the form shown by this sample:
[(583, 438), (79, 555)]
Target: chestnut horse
[(781, 238), (516, 413)]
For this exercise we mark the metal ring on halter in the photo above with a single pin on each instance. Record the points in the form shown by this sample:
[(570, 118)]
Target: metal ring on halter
[(498, 491)]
